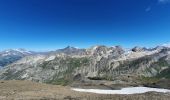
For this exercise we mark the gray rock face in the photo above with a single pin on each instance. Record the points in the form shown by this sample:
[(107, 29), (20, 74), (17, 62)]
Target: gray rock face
[(138, 49), (96, 63), (71, 51)]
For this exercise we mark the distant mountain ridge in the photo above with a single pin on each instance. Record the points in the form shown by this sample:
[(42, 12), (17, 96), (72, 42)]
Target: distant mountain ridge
[(11, 55), (70, 65)]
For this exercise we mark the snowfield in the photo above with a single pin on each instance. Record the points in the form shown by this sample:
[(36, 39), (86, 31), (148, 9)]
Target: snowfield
[(128, 90)]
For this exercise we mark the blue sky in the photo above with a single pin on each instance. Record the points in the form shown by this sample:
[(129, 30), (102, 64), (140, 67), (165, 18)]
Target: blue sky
[(52, 24)]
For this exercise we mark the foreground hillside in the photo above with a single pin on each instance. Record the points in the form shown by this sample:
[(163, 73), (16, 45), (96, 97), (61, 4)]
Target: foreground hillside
[(26, 90)]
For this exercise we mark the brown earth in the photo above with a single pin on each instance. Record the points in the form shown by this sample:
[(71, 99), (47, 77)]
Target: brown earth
[(27, 90)]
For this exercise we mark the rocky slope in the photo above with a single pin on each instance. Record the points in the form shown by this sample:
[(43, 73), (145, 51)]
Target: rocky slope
[(93, 65), (12, 55)]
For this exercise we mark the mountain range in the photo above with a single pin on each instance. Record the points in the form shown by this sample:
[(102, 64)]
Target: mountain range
[(97, 65)]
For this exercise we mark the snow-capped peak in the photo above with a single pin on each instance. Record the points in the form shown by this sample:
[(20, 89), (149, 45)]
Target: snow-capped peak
[(15, 52), (23, 51)]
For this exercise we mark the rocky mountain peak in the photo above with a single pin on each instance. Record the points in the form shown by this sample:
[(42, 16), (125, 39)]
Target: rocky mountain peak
[(138, 49), (70, 48)]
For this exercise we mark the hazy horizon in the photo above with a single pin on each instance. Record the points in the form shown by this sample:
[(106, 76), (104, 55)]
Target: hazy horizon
[(48, 49)]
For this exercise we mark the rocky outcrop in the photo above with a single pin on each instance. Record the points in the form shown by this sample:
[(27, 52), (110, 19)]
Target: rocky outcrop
[(138, 49)]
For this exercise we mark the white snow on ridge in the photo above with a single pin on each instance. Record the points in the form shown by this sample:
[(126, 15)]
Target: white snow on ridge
[(6, 54), (15, 52), (25, 75), (22, 51), (50, 58), (132, 55), (129, 90)]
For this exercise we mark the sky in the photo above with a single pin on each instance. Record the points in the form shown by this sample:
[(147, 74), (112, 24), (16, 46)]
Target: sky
[(53, 24)]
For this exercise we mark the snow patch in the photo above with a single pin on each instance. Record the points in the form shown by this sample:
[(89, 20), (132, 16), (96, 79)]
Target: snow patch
[(134, 55), (128, 90), (6, 54), (25, 75), (50, 58), (95, 47), (22, 51)]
